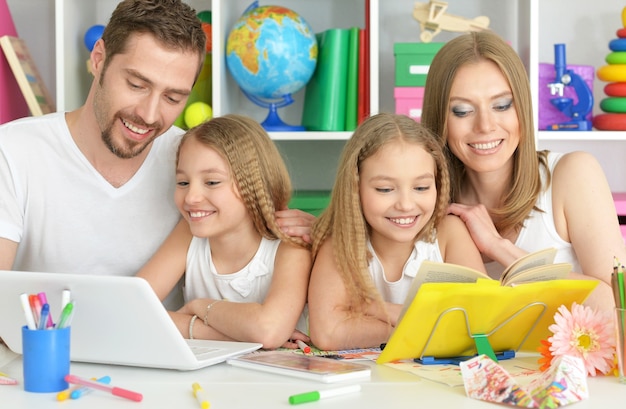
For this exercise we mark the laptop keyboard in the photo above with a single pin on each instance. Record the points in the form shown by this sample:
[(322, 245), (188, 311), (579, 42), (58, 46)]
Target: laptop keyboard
[(201, 351)]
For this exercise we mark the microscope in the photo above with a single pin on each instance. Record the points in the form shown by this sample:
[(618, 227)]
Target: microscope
[(568, 78)]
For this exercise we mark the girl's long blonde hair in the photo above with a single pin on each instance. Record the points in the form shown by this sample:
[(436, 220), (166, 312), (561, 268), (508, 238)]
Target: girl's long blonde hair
[(343, 220)]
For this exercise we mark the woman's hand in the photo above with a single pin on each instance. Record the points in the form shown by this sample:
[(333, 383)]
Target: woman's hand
[(479, 224), (484, 234), (295, 223)]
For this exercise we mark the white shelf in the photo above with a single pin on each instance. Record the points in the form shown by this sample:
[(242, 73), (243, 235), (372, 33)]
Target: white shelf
[(590, 136), (321, 15)]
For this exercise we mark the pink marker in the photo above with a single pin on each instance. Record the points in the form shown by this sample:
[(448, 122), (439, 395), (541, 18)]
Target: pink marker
[(123, 393), (44, 300)]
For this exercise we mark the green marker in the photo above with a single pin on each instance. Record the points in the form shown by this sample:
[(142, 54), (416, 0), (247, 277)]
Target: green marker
[(66, 315), (620, 286), (317, 395)]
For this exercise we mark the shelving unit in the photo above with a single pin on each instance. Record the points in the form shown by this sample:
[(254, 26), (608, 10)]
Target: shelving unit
[(531, 26), (72, 19), (310, 156), (586, 30), (321, 15)]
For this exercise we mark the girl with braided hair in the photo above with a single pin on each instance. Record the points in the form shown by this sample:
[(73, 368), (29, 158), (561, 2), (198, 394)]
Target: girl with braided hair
[(244, 278)]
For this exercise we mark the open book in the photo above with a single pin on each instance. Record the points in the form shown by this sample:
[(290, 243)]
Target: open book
[(454, 311), (537, 266)]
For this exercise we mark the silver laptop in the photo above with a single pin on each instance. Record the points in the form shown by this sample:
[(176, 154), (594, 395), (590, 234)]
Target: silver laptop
[(116, 320)]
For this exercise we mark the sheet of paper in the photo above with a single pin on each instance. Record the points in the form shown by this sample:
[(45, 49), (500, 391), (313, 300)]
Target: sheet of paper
[(524, 370)]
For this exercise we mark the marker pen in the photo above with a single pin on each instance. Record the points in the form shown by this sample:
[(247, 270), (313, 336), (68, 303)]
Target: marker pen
[(198, 392), (65, 298), (317, 395), (66, 315), (35, 306), (80, 391), (28, 312), (45, 314), (44, 300), (117, 391), (6, 379)]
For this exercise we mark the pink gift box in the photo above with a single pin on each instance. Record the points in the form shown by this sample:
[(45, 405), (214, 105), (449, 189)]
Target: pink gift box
[(12, 103), (548, 113), (409, 101), (620, 207)]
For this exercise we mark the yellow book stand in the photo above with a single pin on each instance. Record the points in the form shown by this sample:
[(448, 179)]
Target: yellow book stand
[(448, 320)]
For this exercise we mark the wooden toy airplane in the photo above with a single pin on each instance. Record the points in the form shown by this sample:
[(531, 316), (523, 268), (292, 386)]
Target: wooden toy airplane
[(433, 19)]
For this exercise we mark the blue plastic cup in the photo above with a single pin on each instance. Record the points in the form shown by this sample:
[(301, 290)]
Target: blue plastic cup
[(46, 358)]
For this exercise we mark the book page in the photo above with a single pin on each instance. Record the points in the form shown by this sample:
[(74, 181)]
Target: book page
[(436, 272), (531, 260), (558, 271)]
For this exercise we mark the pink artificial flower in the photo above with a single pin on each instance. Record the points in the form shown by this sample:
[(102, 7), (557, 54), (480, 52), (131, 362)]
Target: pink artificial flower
[(585, 333)]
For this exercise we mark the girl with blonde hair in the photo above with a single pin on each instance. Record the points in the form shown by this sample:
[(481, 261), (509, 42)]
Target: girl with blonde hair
[(386, 215), (245, 280)]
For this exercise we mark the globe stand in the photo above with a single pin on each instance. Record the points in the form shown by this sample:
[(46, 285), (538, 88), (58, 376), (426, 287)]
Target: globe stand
[(273, 123)]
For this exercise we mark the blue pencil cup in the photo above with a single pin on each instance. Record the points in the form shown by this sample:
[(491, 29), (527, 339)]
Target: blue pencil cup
[(46, 358)]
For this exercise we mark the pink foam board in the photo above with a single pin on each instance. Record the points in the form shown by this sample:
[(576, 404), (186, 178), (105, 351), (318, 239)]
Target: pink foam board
[(12, 103)]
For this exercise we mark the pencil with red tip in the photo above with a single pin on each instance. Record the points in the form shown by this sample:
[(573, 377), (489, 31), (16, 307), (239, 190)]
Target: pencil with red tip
[(123, 393), (303, 346)]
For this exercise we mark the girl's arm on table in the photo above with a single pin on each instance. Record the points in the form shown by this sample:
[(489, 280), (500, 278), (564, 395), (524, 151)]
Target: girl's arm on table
[(273, 321), (331, 325), (200, 331)]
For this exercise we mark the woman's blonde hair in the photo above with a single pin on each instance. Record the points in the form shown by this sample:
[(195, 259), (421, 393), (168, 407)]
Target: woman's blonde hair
[(256, 167), (525, 184), (343, 220)]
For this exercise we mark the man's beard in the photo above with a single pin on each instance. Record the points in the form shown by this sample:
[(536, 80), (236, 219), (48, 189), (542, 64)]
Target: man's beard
[(131, 149), (123, 152)]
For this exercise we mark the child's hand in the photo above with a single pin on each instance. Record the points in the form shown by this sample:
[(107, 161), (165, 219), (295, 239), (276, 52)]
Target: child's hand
[(296, 336)]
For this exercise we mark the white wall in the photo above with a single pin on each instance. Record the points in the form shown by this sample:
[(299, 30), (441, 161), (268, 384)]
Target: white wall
[(34, 21)]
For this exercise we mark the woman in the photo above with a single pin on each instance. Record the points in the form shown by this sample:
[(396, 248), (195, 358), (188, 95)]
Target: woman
[(513, 199)]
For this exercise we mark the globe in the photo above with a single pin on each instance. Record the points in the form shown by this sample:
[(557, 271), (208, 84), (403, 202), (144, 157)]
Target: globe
[(271, 52)]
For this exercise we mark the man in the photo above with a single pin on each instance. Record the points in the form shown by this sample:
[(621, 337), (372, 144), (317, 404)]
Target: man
[(91, 191)]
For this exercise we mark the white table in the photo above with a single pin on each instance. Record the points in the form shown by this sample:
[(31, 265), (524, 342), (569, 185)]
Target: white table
[(233, 388)]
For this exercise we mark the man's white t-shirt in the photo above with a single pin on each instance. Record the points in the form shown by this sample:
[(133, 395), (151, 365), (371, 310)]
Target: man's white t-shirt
[(66, 217)]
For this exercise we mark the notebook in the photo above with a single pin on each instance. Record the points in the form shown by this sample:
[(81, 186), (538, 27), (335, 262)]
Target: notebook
[(116, 320), (314, 368)]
